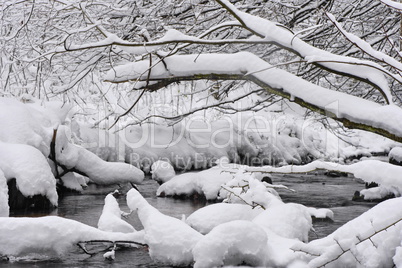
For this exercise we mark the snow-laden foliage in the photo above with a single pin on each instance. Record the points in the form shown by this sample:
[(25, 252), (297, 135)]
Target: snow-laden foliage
[(344, 67)]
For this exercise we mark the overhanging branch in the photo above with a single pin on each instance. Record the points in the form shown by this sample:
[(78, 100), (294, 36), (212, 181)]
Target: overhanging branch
[(279, 92)]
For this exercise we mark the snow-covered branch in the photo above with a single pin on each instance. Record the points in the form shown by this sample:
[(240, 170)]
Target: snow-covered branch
[(285, 38), (393, 4), (367, 48), (352, 111)]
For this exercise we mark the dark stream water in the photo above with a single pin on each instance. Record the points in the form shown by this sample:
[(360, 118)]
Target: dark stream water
[(316, 190)]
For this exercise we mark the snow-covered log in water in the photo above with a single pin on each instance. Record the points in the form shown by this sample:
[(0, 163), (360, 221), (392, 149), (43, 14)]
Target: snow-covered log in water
[(51, 235), (101, 172)]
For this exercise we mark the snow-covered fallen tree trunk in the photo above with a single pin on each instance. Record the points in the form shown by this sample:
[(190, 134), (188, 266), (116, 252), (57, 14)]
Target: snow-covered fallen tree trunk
[(51, 235), (79, 159)]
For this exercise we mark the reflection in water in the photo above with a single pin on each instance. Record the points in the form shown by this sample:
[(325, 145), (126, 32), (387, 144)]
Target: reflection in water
[(311, 190)]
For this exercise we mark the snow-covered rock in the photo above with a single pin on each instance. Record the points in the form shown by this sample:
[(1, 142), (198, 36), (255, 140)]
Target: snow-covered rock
[(110, 255), (207, 183), (395, 156), (162, 171), (380, 192), (208, 217), (321, 213), (30, 169), (170, 240), (233, 243), (110, 219), (289, 220), (74, 181)]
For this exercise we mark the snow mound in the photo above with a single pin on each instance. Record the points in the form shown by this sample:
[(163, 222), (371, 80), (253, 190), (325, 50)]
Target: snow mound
[(49, 235), (289, 220), (74, 181), (232, 243), (205, 219), (246, 188), (30, 169), (379, 193), (321, 213), (395, 154), (207, 183), (24, 125), (99, 171), (111, 220), (162, 171), (170, 240)]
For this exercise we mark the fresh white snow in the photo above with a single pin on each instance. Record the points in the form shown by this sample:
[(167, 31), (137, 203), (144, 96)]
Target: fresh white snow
[(170, 240), (110, 219)]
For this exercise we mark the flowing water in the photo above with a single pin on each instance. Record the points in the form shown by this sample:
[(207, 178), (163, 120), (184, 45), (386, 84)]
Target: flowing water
[(316, 190)]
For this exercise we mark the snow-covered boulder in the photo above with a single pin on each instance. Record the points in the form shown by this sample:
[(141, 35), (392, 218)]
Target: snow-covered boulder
[(170, 240), (162, 171), (110, 219), (74, 181), (289, 220), (321, 213), (30, 169), (206, 218), (205, 183), (395, 156), (379, 193), (233, 243)]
